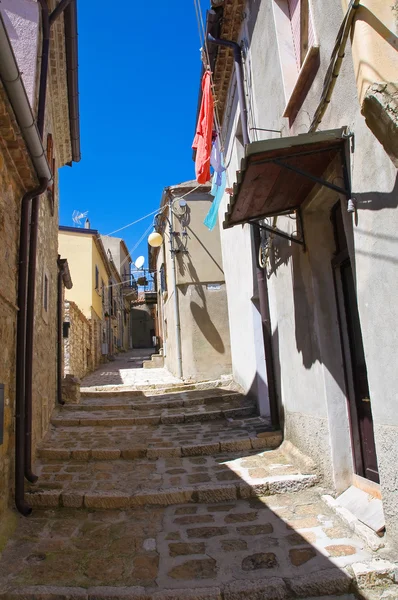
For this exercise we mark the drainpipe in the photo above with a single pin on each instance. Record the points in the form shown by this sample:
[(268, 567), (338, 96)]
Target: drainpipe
[(261, 276), (34, 229), (175, 291), (20, 417)]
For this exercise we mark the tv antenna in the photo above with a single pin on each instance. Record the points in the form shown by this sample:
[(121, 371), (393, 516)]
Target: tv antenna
[(77, 216)]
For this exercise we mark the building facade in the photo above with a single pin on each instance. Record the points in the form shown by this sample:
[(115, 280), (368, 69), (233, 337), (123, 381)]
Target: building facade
[(119, 256), (200, 316), (324, 354), (38, 85)]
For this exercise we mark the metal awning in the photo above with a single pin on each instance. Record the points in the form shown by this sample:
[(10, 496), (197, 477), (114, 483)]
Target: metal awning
[(277, 175)]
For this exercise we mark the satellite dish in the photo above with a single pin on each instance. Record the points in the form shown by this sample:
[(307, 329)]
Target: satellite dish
[(179, 207), (139, 263)]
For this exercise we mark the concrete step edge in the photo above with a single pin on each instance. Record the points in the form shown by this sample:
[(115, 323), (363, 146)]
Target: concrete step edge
[(268, 440), (201, 493), (338, 583)]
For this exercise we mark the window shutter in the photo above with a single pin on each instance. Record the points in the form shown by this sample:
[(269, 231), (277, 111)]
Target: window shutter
[(302, 28), (295, 22)]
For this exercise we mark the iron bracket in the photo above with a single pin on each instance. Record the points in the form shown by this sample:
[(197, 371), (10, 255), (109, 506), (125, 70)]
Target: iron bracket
[(283, 234), (319, 180)]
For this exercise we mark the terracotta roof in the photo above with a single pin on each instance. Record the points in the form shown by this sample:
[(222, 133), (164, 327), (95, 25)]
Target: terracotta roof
[(233, 14)]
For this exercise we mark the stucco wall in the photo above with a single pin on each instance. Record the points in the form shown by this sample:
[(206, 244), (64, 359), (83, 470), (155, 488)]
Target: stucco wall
[(21, 18), (78, 250), (202, 299), (303, 311), (142, 324)]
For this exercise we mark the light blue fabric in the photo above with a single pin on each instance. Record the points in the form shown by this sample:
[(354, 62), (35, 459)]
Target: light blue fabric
[(211, 217), (214, 185)]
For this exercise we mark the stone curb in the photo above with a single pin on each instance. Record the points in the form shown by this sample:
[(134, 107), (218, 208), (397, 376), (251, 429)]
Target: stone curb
[(365, 533), (328, 584), (200, 494), (268, 440), (154, 420)]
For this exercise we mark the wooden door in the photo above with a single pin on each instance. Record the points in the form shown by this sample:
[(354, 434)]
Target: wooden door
[(353, 352)]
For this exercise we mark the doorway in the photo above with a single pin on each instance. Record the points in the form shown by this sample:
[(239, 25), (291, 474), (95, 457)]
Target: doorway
[(360, 409)]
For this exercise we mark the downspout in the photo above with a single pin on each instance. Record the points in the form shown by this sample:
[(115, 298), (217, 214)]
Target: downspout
[(175, 291), (261, 275), (59, 330), (14, 87), (20, 417), (34, 229)]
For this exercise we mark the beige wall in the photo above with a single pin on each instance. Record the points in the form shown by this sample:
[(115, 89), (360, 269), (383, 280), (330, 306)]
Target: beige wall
[(78, 250), (202, 297)]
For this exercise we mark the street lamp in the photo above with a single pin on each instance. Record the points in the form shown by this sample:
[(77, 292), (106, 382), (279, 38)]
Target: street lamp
[(155, 239)]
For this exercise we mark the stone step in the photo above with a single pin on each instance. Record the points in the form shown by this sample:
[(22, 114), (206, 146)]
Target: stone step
[(270, 548), (143, 402), (126, 483), (112, 418), (156, 362), (123, 390), (129, 476), (130, 450), (154, 441)]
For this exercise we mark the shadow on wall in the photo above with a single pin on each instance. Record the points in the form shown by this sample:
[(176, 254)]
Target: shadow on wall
[(376, 200), (207, 327)]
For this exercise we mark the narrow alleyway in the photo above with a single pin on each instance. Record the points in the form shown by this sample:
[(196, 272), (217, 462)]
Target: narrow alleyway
[(170, 494)]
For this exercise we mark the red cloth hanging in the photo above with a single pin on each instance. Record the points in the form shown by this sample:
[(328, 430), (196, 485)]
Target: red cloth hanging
[(204, 131)]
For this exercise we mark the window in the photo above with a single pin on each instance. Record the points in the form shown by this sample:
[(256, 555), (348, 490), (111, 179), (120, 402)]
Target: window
[(163, 283), (96, 278), (45, 293), (298, 51), (51, 163), (45, 305)]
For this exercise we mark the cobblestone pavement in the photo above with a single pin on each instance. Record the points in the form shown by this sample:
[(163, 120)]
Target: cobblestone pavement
[(127, 369), (201, 503)]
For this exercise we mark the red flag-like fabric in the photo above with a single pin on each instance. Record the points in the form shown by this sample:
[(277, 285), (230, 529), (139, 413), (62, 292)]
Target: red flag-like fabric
[(204, 130)]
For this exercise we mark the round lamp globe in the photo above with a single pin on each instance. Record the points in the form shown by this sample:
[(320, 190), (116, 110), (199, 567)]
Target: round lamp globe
[(155, 240)]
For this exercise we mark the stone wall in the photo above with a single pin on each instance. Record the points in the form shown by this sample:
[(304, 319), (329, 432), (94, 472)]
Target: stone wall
[(78, 356), (16, 177)]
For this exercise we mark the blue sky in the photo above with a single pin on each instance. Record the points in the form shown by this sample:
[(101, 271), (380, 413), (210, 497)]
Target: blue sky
[(139, 71)]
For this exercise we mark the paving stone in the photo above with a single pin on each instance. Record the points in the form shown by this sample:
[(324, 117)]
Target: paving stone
[(256, 529), (272, 588), (340, 550), (106, 501), (118, 593), (206, 532), (260, 560), (240, 517), (182, 549), (299, 556), (193, 519), (233, 545), (204, 568)]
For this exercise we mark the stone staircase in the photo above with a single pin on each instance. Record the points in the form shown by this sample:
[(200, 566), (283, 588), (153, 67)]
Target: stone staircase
[(179, 493), (130, 450), (156, 362)]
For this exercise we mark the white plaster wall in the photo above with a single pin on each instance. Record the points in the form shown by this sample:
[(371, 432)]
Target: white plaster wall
[(21, 18), (309, 368)]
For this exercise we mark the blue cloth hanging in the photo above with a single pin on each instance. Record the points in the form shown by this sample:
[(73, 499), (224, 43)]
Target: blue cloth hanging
[(211, 217)]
